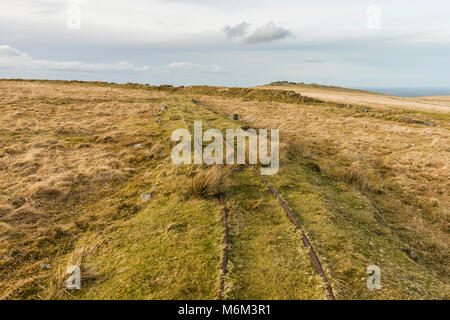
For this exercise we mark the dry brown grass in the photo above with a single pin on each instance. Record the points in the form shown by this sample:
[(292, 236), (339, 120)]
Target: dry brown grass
[(62, 148)]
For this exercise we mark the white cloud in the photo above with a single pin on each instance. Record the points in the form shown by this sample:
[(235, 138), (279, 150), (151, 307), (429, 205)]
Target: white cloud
[(268, 32), (238, 30), (190, 66), (13, 58), (9, 52)]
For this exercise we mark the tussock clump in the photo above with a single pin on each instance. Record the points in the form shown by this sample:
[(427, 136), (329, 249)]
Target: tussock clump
[(313, 166), (84, 145), (205, 183), (3, 166), (64, 130), (64, 180), (295, 149), (57, 146), (26, 214), (12, 150), (105, 174), (157, 150), (78, 258), (43, 143), (105, 139), (45, 192), (114, 164), (4, 227), (5, 209), (175, 227), (356, 175)]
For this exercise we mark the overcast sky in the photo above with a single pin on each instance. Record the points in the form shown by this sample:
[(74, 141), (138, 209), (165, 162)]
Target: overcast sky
[(352, 43)]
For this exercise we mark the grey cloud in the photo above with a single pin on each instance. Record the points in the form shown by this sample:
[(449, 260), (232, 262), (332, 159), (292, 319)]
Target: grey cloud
[(238, 30), (312, 61), (11, 58), (268, 32)]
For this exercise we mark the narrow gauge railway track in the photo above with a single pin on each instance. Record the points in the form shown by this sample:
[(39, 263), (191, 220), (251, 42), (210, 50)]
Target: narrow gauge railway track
[(307, 243)]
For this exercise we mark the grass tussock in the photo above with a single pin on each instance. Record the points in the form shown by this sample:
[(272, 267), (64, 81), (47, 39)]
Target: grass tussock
[(355, 174), (205, 183)]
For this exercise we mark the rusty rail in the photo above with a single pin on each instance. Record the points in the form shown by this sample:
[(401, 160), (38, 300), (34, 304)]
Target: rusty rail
[(225, 247)]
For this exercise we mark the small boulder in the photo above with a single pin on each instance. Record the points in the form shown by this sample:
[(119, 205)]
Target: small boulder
[(146, 196), (412, 255)]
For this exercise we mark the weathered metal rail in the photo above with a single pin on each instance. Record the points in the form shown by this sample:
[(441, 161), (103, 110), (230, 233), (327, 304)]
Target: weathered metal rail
[(225, 247)]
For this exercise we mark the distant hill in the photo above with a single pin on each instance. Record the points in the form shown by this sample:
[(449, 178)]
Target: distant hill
[(310, 85)]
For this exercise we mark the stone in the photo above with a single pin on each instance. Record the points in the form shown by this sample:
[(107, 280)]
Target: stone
[(412, 254), (234, 116), (163, 107), (158, 120), (146, 196), (44, 265)]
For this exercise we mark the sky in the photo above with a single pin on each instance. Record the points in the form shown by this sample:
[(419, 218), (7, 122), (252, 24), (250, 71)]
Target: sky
[(351, 43)]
